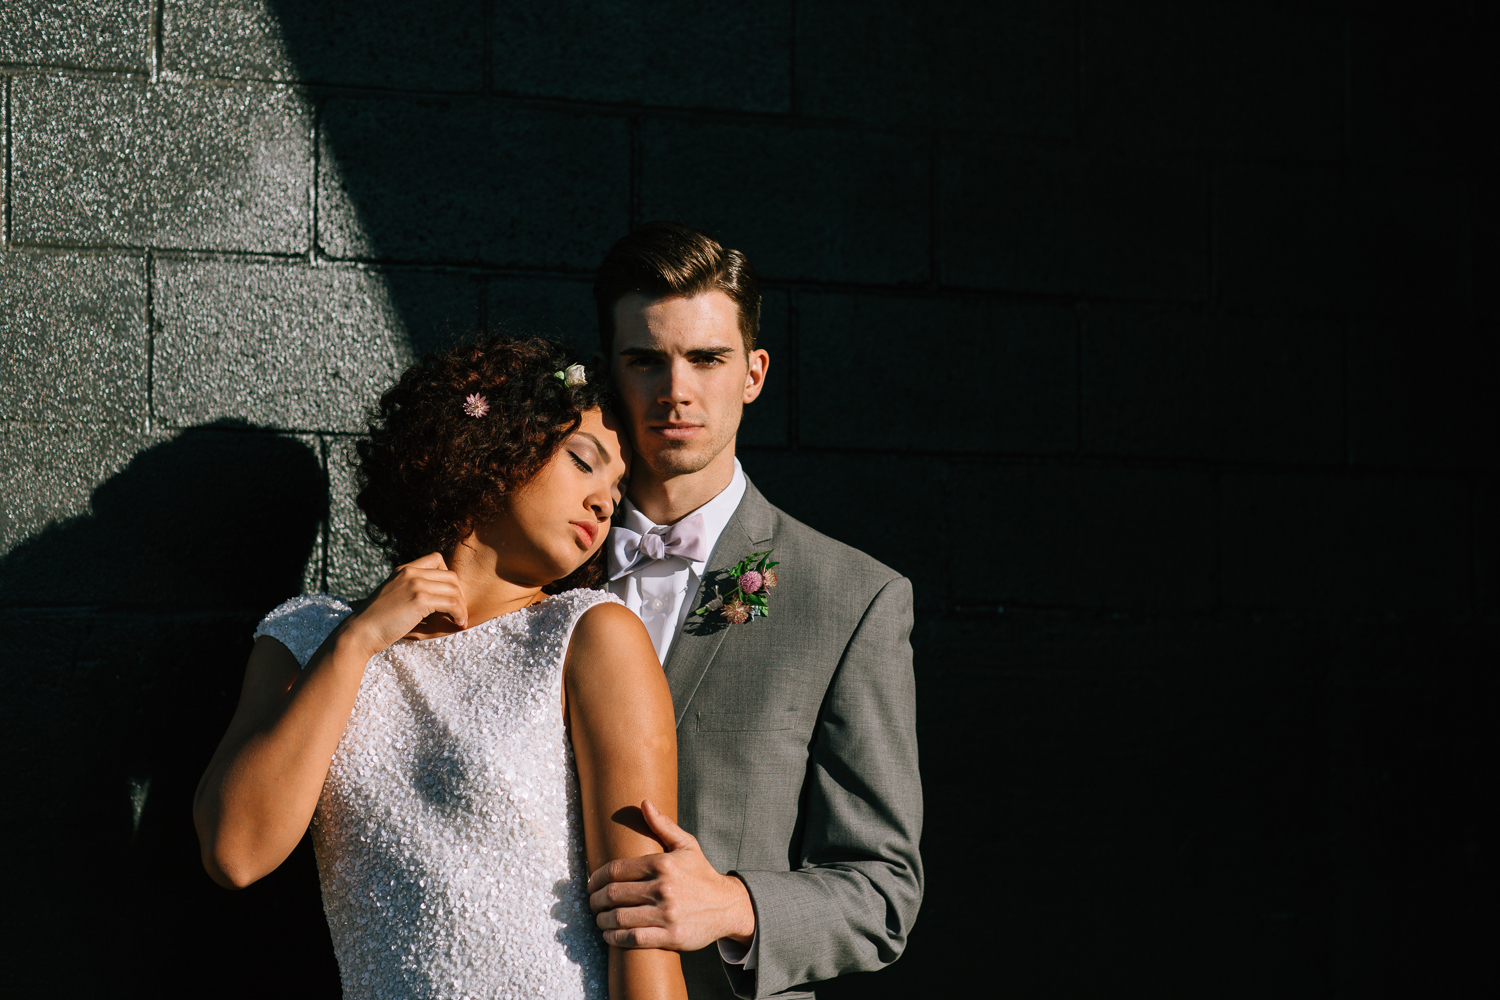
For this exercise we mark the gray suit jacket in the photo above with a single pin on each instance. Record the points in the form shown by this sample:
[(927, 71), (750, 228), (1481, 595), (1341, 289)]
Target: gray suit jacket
[(797, 757)]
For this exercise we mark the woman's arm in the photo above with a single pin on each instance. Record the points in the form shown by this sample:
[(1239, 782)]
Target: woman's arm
[(619, 714), (258, 794)]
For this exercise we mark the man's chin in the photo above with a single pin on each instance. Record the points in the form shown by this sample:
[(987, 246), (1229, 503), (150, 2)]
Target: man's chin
[(677, 461)]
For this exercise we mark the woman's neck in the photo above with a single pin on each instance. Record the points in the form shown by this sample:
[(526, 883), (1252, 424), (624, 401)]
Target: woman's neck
[(488, 590)]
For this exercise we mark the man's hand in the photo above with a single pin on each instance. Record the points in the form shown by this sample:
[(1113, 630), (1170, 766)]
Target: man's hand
[(674, 901)]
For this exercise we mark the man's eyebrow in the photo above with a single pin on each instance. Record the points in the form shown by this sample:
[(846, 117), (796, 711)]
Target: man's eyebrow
[(603, 451), (649, 352)]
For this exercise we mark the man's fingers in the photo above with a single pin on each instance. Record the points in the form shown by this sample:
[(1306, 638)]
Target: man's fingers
[(627, 917), (672, 836), (616, 894), (432, 560), (641, 937), (623, 870)]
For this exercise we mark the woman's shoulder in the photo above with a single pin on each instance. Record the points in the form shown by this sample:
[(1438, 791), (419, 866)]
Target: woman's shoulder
[(604, 623), (302, 623)]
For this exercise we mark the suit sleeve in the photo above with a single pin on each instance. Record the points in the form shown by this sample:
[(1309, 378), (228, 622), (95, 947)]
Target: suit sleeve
[(850, 905)]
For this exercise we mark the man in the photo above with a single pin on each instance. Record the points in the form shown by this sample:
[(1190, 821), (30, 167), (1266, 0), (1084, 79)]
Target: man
[(797, 753)]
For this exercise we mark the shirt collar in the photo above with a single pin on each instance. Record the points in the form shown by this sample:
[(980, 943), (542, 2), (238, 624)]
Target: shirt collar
[(716, 514)]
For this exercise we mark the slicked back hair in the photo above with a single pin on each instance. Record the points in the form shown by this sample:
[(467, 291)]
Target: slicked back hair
[(658, 259)]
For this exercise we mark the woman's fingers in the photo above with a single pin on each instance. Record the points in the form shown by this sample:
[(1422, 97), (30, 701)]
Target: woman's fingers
[(432, 560)]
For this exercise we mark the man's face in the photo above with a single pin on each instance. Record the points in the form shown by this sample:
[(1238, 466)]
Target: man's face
[(684, 378)]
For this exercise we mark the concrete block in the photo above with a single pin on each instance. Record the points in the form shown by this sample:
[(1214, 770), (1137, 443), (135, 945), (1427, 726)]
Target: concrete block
[(1412, 246), (1487, 549), (713, 54), (109, 718), (901, 518), (169, 165), (560, 309), (392, 44), (1094, 538), (49, 471), (73, 338), (1414, 732), (1421, 393), (1414, 81), (1486, 215), (356, 565), (214, 517), (1324, 543), (467, 181), (1240, 78), (1039, 218), (802, 202), (292, 346), (766, 421), (88, 34), (1203, 777), (1281, 237), (1171, 382), (1010, 67), (997, 376)]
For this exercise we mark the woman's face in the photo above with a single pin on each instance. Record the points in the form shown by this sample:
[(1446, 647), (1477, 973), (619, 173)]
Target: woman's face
[(558, 520)]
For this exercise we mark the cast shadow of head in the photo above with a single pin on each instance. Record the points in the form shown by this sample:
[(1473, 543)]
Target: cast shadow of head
[(130, 630)]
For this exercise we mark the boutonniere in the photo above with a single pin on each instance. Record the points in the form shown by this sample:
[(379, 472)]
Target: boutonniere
[(754, 578)]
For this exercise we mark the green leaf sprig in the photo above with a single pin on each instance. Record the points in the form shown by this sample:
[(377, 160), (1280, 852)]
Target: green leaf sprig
[(758, 561)]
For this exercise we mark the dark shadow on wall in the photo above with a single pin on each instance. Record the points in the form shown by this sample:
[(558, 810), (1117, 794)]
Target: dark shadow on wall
[(129, 632)]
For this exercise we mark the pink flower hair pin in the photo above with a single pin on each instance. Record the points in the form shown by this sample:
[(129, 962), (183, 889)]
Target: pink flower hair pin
[(476, 405)]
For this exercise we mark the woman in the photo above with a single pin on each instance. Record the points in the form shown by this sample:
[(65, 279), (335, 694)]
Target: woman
[(466, 747)]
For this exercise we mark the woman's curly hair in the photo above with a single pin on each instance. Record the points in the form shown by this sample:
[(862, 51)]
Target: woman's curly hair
[(428, 472)]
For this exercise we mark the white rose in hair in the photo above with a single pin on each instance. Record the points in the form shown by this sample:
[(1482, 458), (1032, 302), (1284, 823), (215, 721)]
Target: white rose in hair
[(575, 375)]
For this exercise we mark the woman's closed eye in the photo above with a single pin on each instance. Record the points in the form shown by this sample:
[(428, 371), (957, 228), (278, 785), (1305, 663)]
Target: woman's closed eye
[(586, 467)]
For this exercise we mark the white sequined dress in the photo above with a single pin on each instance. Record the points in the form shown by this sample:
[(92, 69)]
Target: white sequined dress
[(449, 835)]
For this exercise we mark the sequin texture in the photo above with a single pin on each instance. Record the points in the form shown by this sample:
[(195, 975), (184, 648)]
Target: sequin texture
[(449, 835)]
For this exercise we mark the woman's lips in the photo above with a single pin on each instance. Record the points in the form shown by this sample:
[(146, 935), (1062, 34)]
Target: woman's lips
[(587, 530)]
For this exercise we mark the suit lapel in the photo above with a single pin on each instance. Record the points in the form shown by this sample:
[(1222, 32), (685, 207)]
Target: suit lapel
[(694, 647)]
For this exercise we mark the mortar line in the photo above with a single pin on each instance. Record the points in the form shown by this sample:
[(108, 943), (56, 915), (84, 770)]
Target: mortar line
[(1080, 374), (154, 43), (934, 210), (486, 60), (10, 141), (314, 193), (793, 103), (1213, 238), (1346, 383), (794, 367), (637, 167), (1216, 489), (327, 451), (1078, 77), (150, 341), (1475, 574)]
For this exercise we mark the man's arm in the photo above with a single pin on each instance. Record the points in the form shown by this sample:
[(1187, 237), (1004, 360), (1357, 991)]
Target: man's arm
[(851, 905)]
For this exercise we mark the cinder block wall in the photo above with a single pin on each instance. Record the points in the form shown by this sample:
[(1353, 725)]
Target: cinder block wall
[(1154, 341)]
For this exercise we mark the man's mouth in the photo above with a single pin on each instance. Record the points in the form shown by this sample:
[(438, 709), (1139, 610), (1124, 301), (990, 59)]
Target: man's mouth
[(677, 432)]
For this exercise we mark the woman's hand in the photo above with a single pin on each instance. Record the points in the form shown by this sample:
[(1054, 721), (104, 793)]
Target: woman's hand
[(407, 605)]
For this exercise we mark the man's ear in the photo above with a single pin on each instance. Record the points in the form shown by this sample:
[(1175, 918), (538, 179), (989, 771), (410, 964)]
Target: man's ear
[(596, 360), (755, 373)]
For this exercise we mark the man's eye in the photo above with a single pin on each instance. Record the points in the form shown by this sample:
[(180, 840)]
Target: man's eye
[(581, 463)]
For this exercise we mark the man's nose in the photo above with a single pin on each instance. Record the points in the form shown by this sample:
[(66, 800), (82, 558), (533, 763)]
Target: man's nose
[(675, 388)]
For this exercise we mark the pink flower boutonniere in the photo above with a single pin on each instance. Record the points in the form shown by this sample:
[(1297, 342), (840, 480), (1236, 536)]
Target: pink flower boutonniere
[(754, 578)]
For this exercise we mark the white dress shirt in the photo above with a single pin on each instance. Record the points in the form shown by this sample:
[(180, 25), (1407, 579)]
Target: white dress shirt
[(661, 591)]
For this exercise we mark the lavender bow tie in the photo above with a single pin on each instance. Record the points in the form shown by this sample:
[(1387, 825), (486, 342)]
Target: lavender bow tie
[(631, 549)]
